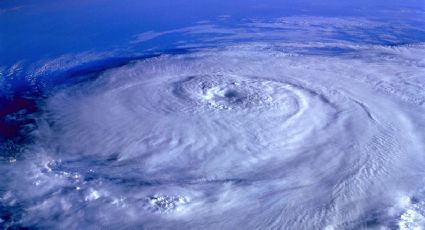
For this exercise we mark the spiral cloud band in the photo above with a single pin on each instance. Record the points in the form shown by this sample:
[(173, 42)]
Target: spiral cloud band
[(248, 135)]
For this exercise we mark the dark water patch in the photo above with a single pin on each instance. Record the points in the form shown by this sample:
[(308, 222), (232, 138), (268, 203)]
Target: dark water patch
[(22, 100)]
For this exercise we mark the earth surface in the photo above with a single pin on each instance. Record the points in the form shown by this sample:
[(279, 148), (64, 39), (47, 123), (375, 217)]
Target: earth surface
[(212, 114)]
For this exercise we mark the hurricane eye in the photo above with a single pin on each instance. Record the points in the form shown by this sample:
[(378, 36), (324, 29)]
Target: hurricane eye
[(232, 94), (224, 92)]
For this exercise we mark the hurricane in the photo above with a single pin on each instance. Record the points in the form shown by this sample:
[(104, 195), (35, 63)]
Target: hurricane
[(252, 128)]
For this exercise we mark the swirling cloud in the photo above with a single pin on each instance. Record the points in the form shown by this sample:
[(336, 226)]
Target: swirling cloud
[(244, 135)]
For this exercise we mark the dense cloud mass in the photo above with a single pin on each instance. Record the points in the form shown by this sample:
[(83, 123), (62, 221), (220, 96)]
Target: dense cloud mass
[(264, 135)]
